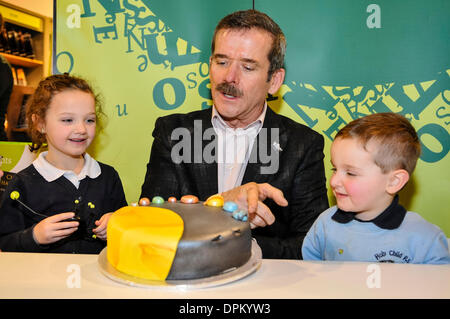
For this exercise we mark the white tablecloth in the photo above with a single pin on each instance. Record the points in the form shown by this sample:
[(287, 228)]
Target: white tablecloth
[(28, 275)]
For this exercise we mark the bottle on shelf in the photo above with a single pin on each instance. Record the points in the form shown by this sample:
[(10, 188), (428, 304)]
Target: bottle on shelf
[(21, 43), (28, 45), (16, 42), (4, 41), (13, 43)]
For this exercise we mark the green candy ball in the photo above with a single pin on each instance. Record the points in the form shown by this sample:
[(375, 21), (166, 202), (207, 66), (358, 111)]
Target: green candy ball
[(157, 200)]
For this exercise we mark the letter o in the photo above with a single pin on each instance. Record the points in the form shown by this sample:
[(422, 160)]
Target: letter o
[(441, 135), (201, 67), (70, 62), (179, 91)]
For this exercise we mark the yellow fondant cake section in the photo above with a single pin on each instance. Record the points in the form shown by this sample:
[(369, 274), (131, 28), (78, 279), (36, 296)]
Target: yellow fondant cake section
[(142, 241)]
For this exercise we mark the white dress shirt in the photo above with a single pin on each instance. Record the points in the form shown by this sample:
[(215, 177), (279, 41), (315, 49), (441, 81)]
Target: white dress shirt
[(234, 149)]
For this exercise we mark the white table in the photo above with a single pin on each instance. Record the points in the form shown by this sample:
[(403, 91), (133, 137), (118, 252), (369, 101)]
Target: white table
[(28, 275)]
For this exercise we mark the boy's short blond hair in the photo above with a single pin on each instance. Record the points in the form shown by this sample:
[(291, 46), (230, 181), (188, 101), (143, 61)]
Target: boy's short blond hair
[(397, 143)]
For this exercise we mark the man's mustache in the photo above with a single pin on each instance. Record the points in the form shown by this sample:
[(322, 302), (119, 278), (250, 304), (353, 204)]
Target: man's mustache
[(229, 89)]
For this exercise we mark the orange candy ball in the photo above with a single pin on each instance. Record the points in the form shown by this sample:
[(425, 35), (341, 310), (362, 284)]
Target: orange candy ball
[(172, 199), (189, 199), (144, 201)]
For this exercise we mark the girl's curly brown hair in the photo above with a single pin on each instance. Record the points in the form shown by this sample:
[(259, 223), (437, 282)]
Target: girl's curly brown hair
[(39, 103)]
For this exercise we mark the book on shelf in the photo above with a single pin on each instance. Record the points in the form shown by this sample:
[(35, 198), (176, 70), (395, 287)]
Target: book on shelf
[(22, 120), (14, 74), (21, 78)]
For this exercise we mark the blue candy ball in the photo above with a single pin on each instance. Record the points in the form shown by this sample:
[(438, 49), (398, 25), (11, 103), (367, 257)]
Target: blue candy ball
[(230, 206), (240, 215)]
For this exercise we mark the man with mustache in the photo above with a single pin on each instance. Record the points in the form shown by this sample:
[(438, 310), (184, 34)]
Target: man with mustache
[(283, 195)]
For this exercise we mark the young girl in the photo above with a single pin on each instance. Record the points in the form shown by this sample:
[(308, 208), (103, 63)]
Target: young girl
[(62, 202)]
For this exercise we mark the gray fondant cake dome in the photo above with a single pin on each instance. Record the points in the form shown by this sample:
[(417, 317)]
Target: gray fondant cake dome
[(212, 242)]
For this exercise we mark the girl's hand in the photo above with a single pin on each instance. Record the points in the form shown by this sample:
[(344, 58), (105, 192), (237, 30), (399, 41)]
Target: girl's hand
[(101, 224), (52, 229)]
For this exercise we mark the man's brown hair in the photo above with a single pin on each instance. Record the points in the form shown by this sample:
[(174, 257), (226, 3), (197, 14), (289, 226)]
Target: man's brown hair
[(248, 19)]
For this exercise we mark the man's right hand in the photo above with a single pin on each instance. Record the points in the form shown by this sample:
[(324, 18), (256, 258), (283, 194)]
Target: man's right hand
[(250, 196)]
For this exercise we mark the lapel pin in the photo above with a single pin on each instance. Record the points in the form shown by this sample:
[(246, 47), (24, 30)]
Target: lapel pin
[(276, 146)]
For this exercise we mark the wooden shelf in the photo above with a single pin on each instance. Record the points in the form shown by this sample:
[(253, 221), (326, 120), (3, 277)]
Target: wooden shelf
[(25, 88), (40, 28), (21, 61), (15, 106)]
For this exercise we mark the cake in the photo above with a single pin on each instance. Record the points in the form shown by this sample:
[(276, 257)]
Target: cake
[(177, 241)]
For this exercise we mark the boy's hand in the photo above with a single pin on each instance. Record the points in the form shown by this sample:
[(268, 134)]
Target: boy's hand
[(52, 229), (100, 230)]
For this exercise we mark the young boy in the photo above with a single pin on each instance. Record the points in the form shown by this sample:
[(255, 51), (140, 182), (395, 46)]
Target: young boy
[(373, 158)]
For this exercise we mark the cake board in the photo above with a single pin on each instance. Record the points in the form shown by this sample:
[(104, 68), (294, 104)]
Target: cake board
[(227, 277)]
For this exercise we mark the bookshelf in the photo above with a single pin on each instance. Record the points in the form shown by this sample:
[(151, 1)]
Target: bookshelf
[(21, 61), (29, 68), (16, 129)]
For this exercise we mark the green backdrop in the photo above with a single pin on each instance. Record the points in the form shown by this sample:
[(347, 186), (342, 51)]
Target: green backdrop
[(345, 59)]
